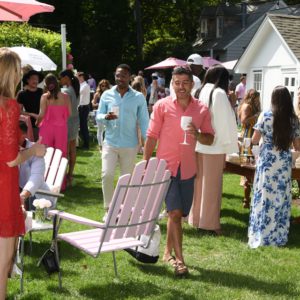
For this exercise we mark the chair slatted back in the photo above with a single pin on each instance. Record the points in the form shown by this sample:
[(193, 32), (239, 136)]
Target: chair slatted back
[(54, 167), (60, 175), (130, 199), (137, 198), (157, 203), (153, 203), (47, 159), (143, 197), (115, 205)]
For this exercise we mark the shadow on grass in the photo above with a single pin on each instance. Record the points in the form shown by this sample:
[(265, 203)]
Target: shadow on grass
[(135, 289), (232, 197), (239, 281), (294, 237), (232, 213)]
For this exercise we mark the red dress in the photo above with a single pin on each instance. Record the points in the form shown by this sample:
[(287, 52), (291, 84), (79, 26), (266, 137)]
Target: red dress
[(11, 216)]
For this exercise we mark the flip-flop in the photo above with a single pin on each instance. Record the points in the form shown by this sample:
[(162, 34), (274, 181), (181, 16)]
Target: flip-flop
[(171, 261)]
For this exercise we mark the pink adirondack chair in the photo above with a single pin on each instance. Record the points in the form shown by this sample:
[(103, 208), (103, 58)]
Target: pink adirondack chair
[(134, 211)]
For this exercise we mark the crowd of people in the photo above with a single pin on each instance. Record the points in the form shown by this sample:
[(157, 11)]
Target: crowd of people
[(135, 113)]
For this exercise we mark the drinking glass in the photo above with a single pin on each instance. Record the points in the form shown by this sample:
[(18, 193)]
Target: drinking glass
[(184, 123), (247, 144), (115, 110)]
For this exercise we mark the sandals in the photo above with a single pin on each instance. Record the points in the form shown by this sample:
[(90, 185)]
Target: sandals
[(181, 269), (170, 261)]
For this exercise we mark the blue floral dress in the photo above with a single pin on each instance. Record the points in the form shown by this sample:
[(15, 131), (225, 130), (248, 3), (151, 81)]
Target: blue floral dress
[(272, 197)]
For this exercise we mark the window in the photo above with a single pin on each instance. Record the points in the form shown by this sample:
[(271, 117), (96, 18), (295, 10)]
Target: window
[(220, 22), (257, 80), (204, 27), (290, 82)]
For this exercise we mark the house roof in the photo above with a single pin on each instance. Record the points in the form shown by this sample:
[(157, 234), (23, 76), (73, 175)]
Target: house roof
[(255, 12), (288, 27)]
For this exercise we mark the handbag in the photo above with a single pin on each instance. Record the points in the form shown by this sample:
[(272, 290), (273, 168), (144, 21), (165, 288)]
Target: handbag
[(49, 259), (149, 253)]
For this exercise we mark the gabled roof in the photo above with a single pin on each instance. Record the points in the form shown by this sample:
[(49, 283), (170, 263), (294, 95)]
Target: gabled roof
[(288, 27), (255, 13)]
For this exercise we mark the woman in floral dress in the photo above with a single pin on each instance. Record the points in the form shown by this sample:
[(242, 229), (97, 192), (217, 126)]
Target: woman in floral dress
[(271, 203)]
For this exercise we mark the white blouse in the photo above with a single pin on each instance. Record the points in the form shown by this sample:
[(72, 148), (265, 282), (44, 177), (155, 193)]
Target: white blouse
[(223, 122)]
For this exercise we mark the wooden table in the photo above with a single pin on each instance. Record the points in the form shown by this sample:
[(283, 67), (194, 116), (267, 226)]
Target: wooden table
[(248, 171)]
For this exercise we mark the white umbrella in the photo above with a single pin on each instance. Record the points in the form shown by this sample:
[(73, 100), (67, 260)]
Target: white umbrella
[(37, 59)]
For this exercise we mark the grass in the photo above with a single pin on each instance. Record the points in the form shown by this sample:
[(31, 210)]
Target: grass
[(220, 267)]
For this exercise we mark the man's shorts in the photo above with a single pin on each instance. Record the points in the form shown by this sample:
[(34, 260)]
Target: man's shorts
[(180, 194)]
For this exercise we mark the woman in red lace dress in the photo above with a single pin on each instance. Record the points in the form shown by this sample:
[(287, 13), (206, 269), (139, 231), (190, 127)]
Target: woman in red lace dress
[(11, 214)]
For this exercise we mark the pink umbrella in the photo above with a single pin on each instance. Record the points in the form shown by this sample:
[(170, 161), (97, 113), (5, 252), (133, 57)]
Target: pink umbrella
[(22, 10), (209, 61), (170, 62)]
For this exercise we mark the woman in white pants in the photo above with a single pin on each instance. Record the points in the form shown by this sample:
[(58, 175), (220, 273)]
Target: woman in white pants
[(205, 213)]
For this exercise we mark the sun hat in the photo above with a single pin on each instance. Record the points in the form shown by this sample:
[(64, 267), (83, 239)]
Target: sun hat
[(195, 59), (31, 73)]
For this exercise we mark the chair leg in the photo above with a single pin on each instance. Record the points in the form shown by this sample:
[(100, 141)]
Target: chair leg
[(57, 259), (115, 263), (21, 244)]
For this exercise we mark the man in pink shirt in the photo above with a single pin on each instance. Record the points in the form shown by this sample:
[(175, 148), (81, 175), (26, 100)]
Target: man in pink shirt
[(165, 129)]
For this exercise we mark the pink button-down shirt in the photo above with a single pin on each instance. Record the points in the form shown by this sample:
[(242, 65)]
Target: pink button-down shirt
[(165, 126)]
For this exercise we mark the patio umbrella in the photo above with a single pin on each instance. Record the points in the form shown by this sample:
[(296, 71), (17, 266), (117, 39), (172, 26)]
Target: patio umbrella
[(37, 59), (22, 10), (170, 62), (209, 61)]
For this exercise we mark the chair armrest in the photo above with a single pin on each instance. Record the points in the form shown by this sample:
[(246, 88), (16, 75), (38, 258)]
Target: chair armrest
[(49, 193), (76, 219)]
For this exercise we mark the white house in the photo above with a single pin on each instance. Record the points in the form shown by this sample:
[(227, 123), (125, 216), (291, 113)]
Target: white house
[(273, 57)]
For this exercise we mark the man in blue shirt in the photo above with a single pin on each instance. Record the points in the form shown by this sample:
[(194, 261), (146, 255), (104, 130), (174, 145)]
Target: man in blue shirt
[(121, 109)]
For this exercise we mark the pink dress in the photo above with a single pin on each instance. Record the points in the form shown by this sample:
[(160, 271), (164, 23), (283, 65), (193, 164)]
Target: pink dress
[(54, 127)]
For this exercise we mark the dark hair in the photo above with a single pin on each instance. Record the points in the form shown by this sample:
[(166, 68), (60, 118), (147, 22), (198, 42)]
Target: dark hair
[(242, 77), (125, 67), (219, 76), (285, 118), (183, 71), (74, 80), (23, 126), (51, 85), (84, 75)]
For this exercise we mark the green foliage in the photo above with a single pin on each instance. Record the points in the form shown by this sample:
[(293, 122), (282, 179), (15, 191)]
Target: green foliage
[(295, 189), (21, 34)]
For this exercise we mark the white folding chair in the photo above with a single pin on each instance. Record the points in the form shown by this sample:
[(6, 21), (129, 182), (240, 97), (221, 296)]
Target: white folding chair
[(55, 169), (134, 211)]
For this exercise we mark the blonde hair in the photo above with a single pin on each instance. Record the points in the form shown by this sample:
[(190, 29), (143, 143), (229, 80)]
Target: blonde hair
[(10, 72)]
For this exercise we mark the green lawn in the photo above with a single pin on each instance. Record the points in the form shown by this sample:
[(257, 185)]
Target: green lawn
[(220, 267)]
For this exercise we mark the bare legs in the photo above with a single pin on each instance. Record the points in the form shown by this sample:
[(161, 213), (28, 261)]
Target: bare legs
[(174, 236), (7, 248)]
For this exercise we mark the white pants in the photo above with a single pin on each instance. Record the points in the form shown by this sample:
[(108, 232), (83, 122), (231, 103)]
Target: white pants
[(110, 157), (100, 132)]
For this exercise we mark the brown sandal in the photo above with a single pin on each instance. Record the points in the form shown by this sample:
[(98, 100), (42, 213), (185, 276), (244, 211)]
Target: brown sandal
[(171, 261), (181, 269)]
